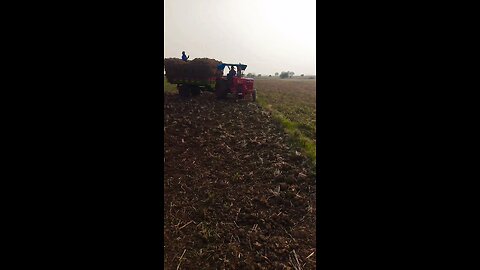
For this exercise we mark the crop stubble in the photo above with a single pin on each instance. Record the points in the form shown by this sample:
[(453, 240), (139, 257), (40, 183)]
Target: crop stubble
[(293, 98), (236, 195)]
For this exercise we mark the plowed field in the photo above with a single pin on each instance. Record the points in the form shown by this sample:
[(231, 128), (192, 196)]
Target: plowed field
[(236, 195)]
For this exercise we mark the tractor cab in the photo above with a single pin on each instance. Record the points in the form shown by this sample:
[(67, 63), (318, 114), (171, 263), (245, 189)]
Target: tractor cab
[(239, 68), (234, 82)]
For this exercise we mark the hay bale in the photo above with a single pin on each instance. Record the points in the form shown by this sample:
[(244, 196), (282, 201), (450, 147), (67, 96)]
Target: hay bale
[(197, 69)]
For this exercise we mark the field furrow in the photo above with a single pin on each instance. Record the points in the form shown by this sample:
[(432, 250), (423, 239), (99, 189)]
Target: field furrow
[(237, 195)]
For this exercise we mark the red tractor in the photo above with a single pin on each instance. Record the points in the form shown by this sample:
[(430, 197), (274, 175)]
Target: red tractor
[(234, 82)]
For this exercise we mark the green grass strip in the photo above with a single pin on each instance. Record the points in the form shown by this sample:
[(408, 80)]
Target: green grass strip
[(307, 145)]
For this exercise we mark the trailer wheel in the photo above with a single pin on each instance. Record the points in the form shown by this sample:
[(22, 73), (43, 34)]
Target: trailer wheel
[(221, 89), (195, 90), (184, 91)]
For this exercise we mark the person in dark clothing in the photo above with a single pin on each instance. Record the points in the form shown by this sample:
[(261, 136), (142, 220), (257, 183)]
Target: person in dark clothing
[(230, 75), (232, 72), (184, 57)]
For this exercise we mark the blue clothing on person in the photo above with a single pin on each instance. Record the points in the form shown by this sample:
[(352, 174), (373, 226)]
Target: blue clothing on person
[(184, 57)]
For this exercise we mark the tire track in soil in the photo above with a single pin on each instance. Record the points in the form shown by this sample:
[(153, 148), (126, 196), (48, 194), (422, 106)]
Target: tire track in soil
[(236, 196)]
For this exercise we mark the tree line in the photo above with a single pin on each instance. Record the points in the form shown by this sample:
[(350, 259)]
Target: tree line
[(282, 75)]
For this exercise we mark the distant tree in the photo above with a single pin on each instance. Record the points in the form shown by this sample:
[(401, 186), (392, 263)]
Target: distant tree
[(301, 75), (259, 75), (269, 75), (291, 73), (276, 73), (284, 75), (250, 75)]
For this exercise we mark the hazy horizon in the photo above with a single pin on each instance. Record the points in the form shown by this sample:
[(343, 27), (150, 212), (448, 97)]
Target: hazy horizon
[(268, 35)]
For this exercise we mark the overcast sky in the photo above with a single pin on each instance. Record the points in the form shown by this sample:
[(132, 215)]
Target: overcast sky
[(268, 35)]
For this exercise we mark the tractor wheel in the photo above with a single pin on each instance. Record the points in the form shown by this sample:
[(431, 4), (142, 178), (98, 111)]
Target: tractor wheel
[(184, 91), (221, 89), (254, 95), (195, 91)]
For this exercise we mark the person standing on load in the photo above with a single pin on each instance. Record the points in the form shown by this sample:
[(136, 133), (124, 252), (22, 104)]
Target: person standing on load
[(184, 57)]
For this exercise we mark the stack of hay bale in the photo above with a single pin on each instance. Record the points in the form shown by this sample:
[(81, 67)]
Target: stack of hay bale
[(199, 69)]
